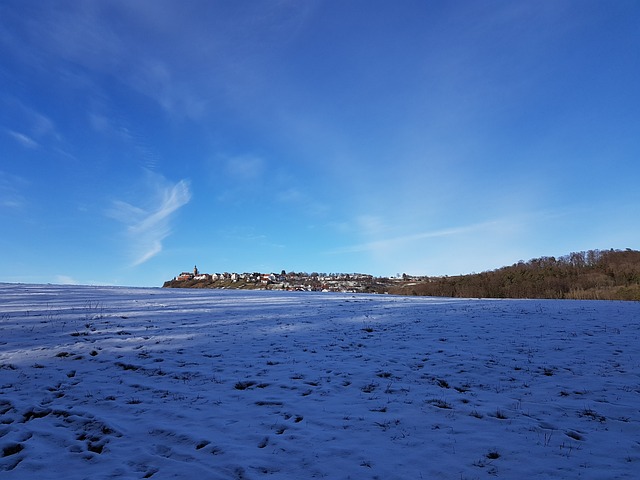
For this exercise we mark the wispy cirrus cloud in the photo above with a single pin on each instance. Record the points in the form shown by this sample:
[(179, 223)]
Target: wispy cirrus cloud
[(399, 241), (189, 60), (26, 124), (24, 140), (147, 227)]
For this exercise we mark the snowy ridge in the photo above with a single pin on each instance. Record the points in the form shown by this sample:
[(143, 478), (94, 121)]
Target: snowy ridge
[(100, 382)]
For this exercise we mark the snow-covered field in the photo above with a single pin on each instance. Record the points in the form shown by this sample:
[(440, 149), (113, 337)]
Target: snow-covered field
[(100, 382)]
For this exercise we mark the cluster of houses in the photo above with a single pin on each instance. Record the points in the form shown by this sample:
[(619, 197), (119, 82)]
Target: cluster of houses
[(286, 281), (264, 278)]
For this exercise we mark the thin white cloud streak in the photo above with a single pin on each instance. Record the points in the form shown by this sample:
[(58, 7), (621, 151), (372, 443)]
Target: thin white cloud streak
[(23, 139), (28, 126), (396, 242), (147, 228)]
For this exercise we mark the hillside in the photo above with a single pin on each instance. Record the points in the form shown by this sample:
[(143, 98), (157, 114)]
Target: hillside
[(593, 274)]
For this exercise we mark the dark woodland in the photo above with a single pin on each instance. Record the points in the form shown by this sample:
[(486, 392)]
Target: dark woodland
[(593, 274)]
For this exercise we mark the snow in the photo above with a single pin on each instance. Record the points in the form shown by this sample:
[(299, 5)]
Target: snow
[(99, 382)]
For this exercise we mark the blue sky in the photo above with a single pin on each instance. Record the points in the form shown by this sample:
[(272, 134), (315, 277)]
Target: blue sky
[(435, 138)]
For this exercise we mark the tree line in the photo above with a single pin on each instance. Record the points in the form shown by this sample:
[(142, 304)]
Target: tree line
[(593, 274)]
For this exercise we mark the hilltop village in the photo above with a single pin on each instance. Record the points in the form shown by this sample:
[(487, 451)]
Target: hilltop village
[(586, 275), (313, 282)]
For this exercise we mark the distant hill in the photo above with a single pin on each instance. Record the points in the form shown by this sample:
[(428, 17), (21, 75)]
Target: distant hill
[(594, 274)]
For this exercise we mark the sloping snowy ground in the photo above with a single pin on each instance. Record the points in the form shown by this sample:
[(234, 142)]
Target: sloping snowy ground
[(100, 382)]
